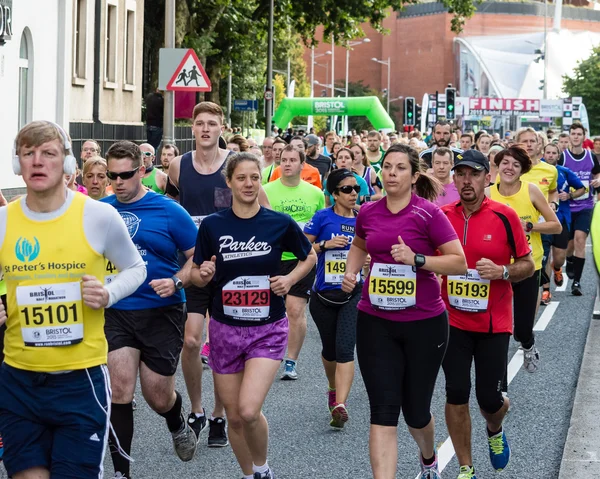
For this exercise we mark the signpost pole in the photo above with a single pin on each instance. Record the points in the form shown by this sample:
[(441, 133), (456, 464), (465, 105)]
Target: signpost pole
[(169, 96), (268, 101), (229, 95)]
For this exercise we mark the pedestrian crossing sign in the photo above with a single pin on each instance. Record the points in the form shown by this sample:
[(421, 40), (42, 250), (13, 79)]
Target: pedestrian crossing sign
[(189, 75)]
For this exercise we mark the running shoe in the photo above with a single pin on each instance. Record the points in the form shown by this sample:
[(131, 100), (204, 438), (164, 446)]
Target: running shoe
[(205, 352), (576, 289), (499, 450), (1, 449), (185, 442), (558, 277), (466, 472), (198, 424), (339, 416), (331, 402), (289, 373), (570, 270), (264, 475), (118, 475), (531, 359), (431, 471), (546, 298), (217, 432), (133, 404)]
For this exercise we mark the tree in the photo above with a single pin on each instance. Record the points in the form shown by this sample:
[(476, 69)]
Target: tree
[(584, 83)]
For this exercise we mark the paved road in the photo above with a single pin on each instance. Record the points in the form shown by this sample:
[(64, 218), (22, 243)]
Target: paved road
[(303, 445)]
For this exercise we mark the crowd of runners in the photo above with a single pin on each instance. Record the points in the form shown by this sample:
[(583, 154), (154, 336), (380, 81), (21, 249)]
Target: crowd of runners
[(418, 252)]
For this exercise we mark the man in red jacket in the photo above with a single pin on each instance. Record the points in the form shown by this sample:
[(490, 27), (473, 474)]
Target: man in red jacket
[(480, 309)]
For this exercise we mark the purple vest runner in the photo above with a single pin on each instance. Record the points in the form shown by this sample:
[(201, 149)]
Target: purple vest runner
[(583, 169)]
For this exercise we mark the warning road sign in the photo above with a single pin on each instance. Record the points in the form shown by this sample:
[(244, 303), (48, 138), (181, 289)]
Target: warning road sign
[(189, 75)]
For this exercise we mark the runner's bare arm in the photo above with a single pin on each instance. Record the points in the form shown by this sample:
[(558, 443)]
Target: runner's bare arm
[(172, 189), (551, 225), (521, 269), (161, 180), (202, 274)]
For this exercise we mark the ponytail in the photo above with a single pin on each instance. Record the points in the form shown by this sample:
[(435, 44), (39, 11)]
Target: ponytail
[(428, 187)]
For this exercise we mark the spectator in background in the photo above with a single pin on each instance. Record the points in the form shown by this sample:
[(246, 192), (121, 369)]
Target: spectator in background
[(596, 150), (238, 144), (94, 177), (154, 118), (483, 143), (564, 142), (315, 158), (330, 139), (89, 149), (169, 151)]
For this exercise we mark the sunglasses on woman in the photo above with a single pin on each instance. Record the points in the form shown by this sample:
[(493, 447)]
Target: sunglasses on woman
[(125, 175), (347, 189)]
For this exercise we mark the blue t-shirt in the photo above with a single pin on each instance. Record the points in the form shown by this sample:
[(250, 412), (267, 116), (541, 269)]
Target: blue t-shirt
[(566, 180), (159, 228), (248, 252), (364, 189), (331, 264)]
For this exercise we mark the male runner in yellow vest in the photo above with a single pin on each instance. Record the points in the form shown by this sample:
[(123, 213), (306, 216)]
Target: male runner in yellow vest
[(54, 387)]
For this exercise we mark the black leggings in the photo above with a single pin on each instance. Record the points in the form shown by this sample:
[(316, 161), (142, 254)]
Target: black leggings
[(337, 327), (490, 352), (399, 363), (525, 301)]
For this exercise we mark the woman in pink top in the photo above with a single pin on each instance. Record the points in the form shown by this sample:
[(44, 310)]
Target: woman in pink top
[(402, 329)]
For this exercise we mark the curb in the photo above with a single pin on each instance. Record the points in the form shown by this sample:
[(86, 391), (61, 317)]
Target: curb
[(581, 456)]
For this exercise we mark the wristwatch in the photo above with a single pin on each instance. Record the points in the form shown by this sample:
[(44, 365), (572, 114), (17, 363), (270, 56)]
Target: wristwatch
[(322, 245), (528, 226), (419, 260), (178, 283), (505, 274)]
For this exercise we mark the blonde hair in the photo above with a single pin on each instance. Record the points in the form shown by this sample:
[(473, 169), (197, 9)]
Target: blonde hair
[(37, 133), (94, 161)]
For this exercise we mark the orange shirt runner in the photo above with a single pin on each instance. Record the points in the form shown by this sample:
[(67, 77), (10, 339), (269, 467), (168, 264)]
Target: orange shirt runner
[(309, 174)]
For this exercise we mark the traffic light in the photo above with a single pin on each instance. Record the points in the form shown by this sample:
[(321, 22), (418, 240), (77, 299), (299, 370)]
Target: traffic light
[(409, 111), (418, 113), (450, 103)]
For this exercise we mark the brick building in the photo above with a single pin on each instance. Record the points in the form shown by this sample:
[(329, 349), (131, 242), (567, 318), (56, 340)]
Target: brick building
[(424, 53)]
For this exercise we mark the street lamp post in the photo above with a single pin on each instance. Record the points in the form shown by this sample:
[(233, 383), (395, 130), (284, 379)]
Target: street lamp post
[(348, 47), (312, 77), (268, 103), (389, 67)]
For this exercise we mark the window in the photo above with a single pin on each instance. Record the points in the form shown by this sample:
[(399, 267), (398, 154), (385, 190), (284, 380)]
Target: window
[(129, 66), (110, 46), (25, 79), (80, 40)]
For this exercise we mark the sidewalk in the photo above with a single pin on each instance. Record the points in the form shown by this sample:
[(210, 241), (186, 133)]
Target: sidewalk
[(581, 456)]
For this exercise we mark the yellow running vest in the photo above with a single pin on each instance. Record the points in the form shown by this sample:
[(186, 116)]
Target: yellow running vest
[(521, 203), (49, 328)]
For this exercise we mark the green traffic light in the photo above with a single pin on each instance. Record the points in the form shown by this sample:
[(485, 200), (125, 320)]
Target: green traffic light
[(450, 107), (410, 114)]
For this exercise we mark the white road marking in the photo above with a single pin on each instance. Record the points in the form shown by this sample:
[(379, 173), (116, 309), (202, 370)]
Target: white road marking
[(446, 450), (546, 316), (564, 285)]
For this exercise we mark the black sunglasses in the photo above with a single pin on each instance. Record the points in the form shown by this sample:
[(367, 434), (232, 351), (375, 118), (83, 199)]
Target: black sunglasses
[(347, 189), (125, 175)]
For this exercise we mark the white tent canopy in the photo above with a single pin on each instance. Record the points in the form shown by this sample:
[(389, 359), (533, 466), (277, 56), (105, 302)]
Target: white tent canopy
[(507, 62)]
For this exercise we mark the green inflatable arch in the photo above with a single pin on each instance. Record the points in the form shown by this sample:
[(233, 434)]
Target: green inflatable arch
[(368, 106)]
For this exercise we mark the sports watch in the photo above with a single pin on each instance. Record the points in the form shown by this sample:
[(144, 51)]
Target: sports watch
[(505, 274), (419, 260), (528, 227), (178, 283), (322, 245)]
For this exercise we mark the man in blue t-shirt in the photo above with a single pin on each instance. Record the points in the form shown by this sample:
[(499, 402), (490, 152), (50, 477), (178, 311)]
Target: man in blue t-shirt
[(145, 330)]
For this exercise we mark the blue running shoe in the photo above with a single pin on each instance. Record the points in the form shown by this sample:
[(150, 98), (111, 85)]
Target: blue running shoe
[(289, 372), (499, 450)]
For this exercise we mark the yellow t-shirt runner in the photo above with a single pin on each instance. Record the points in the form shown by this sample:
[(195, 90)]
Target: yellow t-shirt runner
[(521, 203), (544, 176), (48, 327)]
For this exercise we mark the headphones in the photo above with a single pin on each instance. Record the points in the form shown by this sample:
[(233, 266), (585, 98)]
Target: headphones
[(70, 163)]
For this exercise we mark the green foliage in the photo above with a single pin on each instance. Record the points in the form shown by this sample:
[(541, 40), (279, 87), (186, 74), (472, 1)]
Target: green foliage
[(584, 83)]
